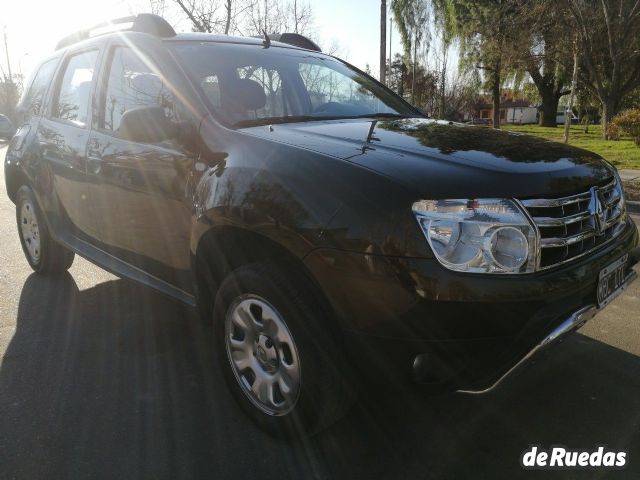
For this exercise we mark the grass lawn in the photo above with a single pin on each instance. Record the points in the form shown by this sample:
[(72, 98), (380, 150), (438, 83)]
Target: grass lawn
[(622, 153)]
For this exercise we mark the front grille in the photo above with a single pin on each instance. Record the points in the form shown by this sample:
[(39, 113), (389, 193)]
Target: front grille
[(574, 226)]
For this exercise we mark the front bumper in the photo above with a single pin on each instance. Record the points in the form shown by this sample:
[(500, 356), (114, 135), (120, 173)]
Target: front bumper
[(411, 319), (574, 322)]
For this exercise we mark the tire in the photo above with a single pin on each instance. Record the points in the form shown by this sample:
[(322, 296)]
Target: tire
[(273, 330), (42, 252)]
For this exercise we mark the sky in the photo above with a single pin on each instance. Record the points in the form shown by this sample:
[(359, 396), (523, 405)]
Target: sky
[(33, 27)]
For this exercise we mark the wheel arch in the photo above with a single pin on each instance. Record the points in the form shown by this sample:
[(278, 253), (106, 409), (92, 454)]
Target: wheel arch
[(223, 249), (14, 179)]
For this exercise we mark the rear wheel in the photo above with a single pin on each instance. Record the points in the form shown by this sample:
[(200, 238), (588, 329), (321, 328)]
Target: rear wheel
[(279, 351), (43, 253)]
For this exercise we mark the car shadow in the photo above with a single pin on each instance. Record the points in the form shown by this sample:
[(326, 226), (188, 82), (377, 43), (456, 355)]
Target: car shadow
[(116, 381)]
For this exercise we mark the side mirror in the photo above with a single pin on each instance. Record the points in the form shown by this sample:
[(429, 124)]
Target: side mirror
[(147, 124)]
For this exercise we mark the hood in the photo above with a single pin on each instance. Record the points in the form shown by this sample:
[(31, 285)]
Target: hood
[(439, 159)]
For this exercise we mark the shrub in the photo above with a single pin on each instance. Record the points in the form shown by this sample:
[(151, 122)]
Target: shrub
[(613, 131), (629, 122)]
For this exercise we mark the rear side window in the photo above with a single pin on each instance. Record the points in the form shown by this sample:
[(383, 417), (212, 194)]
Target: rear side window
[(132, 83), (32, 102), (72, 101)]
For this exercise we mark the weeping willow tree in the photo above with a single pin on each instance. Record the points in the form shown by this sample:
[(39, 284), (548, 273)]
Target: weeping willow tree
[(445, 26), (412, 19), (488, 33)]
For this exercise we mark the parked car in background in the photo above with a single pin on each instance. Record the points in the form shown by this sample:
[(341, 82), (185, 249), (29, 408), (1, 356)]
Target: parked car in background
[(560, 117), (328, 231), (6, 127)]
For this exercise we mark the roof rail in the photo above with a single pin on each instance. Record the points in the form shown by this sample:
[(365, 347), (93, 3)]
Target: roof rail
[(296, 40), (143, 22)]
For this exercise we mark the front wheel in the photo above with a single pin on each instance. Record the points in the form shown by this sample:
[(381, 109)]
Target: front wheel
[(43, 253), (279, 352)]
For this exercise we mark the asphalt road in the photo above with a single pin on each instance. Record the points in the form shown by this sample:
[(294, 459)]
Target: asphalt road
[(101, 378)]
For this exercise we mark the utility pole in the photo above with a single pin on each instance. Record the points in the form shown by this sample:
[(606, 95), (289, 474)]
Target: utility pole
[(390, 43), (6, 51), (8, 84), (413, 79), (383, 40)]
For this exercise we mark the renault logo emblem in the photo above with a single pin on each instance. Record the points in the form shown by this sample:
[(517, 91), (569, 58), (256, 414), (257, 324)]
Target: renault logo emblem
[(596, 210)]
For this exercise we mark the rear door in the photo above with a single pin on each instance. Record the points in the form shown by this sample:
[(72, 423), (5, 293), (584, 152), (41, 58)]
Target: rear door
[(138, 190), (62, 137)]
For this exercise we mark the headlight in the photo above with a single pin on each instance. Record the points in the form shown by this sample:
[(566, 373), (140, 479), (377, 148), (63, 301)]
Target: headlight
[(482, 236)]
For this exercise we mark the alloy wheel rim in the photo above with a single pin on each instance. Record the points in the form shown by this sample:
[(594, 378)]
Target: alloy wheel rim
[(30, 230), (263, 355)]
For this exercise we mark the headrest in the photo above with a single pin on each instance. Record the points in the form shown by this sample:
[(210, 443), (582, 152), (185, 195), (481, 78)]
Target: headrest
[(244, 94), (147, 86), (83, 88)]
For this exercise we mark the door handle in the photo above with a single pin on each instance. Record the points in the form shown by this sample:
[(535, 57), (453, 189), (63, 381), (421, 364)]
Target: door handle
[(50, 150)]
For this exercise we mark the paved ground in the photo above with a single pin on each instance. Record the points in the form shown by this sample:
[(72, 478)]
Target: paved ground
[(100, 378), (627, 175)]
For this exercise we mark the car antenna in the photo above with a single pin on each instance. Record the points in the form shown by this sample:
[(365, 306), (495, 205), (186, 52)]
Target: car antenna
[(267, 41)]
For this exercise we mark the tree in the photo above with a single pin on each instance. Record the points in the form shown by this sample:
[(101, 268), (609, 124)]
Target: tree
[(397, 74), (609, 42), (545, 51), (157, 7), (588, 105), (424, 88), (247, 17), (276, 16), (441, 59), (10, 85), (205, 15), (10, 91), (412, 18), (445, 26), (487, 40), (462, 99)]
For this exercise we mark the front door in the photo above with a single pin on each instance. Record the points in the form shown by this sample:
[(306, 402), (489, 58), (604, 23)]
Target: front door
[(139, 189)]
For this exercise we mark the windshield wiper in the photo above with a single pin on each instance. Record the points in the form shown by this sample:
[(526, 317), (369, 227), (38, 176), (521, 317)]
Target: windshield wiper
[(255, 122), (379, 115)]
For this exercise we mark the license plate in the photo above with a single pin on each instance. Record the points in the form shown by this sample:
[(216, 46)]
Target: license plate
[(611, 280)]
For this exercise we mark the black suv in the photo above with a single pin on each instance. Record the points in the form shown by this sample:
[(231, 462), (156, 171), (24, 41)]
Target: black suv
[(326, 228)]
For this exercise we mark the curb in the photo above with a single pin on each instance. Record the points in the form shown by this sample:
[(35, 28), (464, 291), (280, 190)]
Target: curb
[(633, 207)]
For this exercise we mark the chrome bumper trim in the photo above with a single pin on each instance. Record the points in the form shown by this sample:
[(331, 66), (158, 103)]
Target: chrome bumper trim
[(575, 321)]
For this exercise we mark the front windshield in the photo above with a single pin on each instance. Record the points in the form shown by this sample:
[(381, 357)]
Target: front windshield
[(249, 85)]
